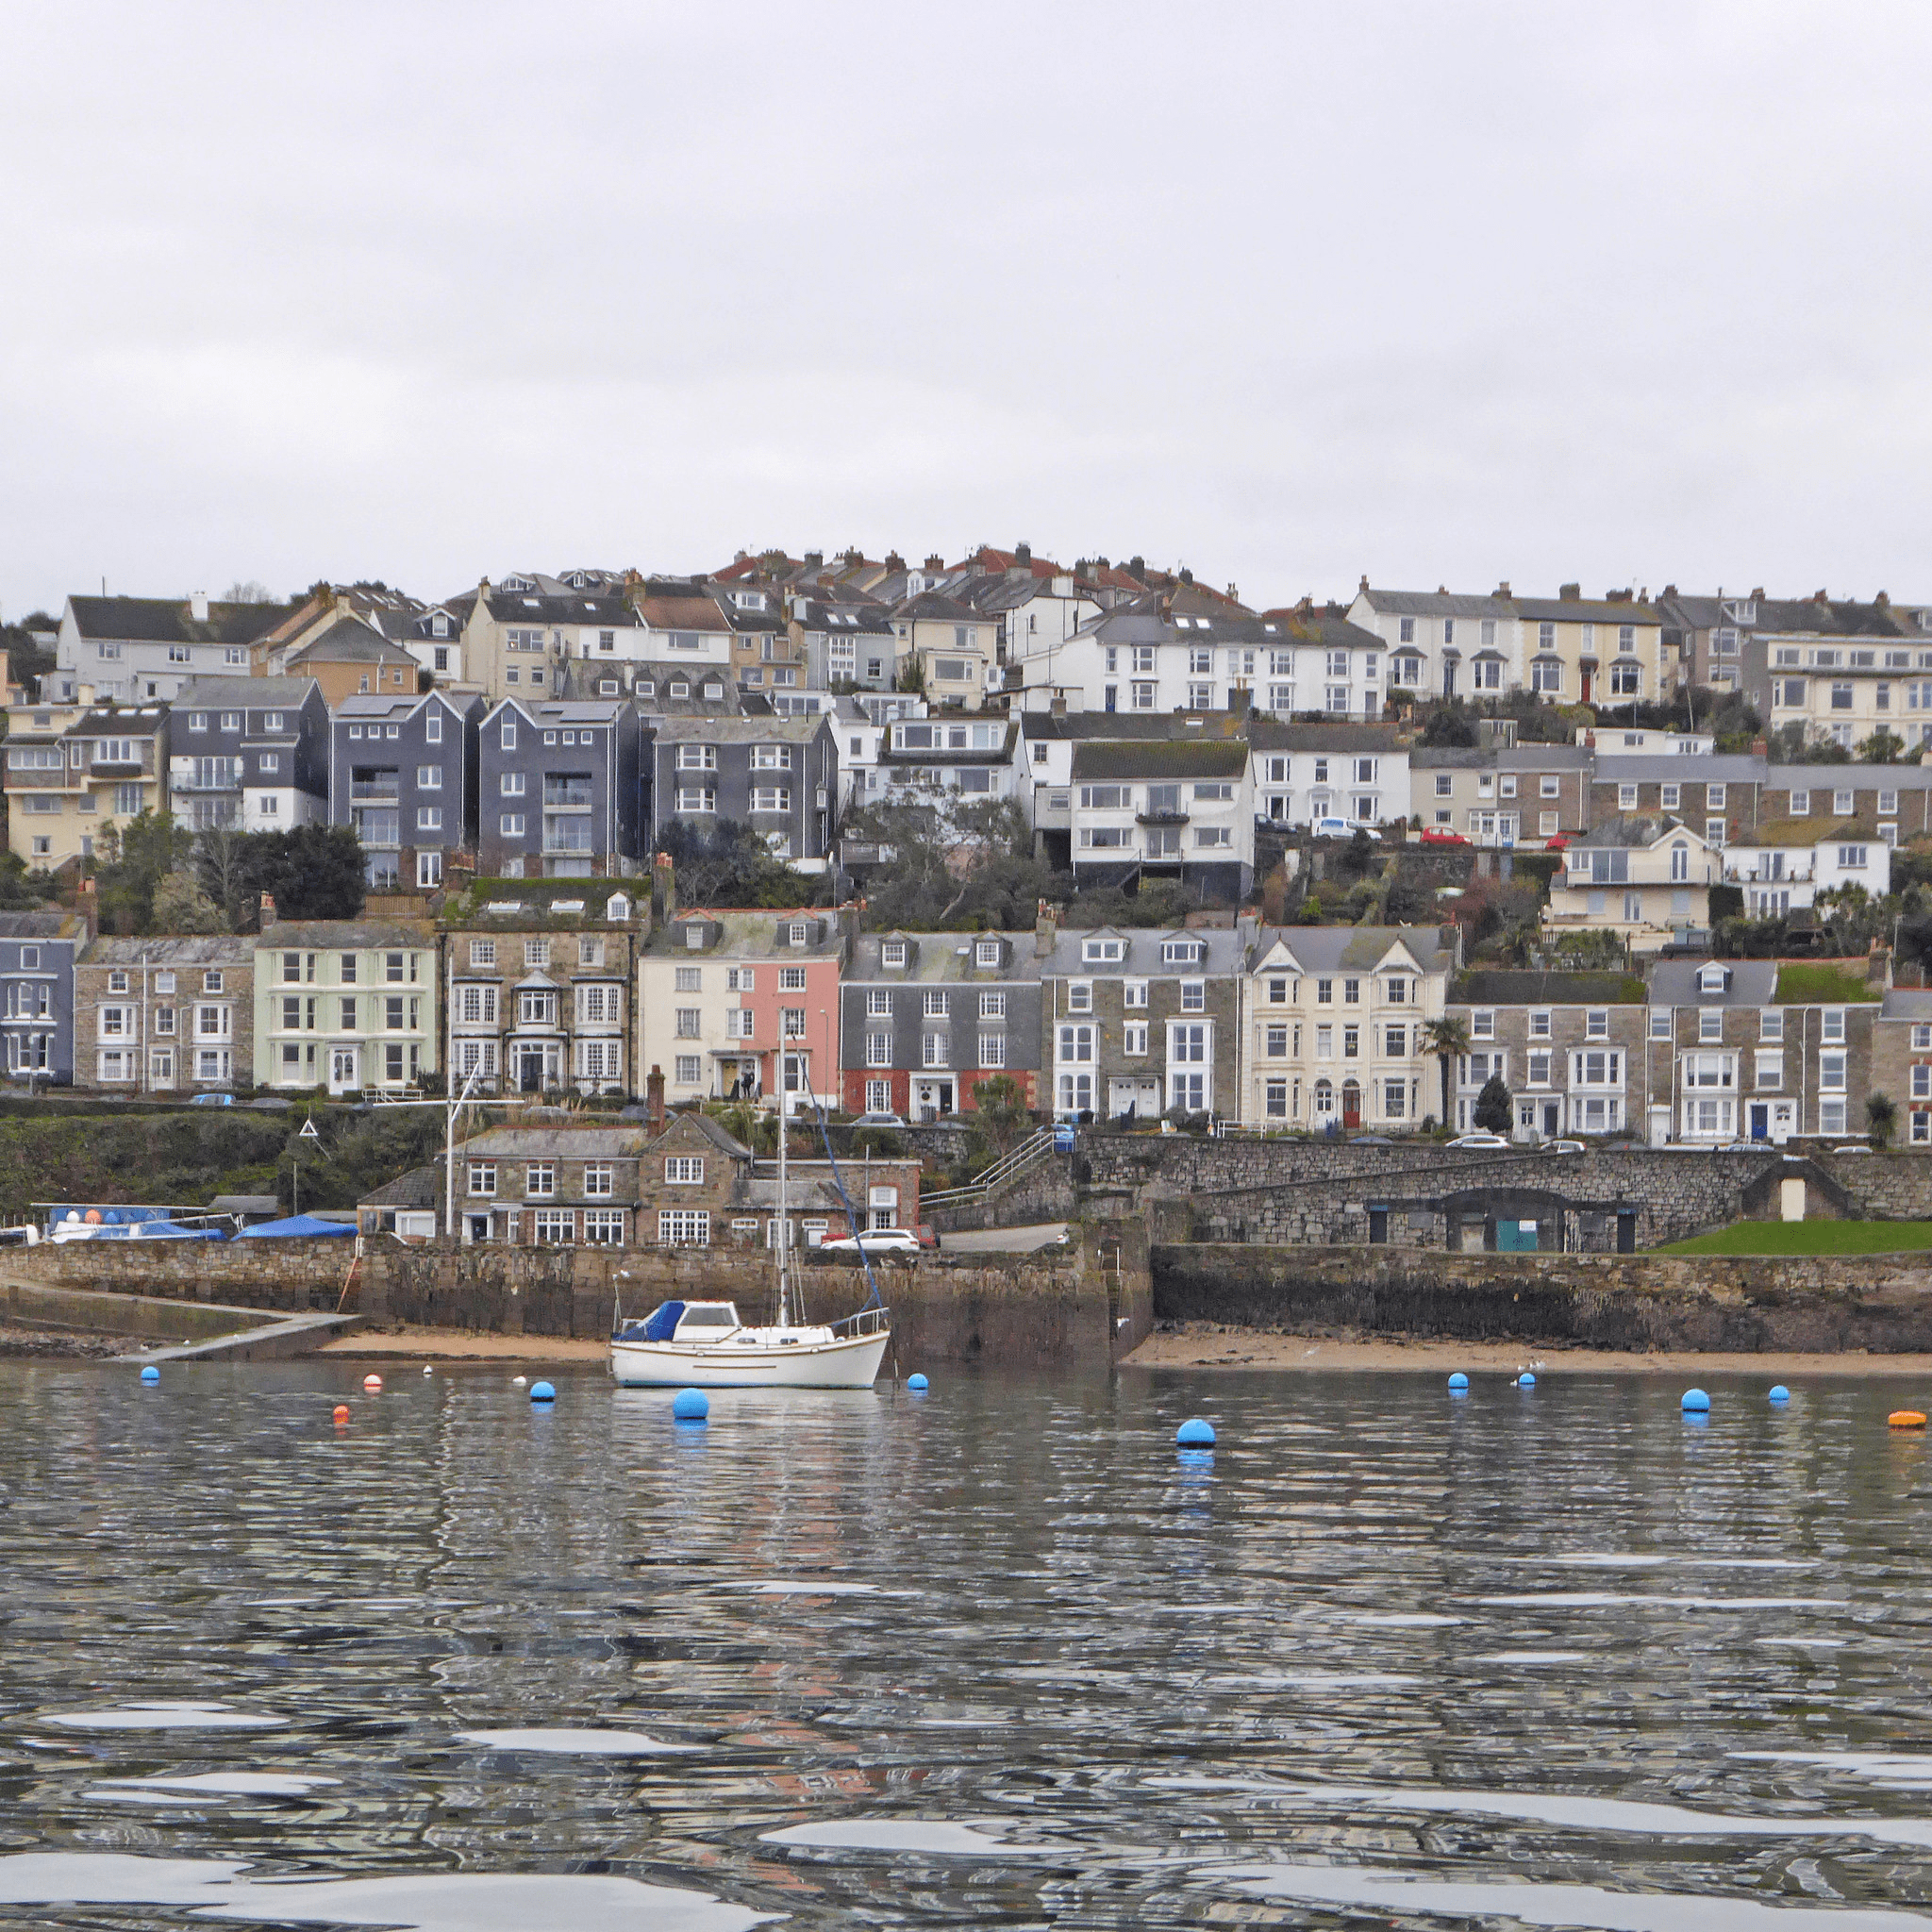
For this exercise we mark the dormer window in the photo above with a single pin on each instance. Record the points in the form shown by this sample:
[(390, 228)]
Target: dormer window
[(617, 907), (1183, 952), (694, 936), (1712, 979), (798, 933), (986, 952), (892, 952), (1102, 952)]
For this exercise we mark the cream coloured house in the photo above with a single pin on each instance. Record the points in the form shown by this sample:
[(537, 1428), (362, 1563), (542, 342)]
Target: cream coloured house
[(1648, 880), (1334, 1028)]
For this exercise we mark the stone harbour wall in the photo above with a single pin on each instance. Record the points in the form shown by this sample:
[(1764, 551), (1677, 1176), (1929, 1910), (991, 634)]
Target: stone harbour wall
[(1730, 1303), (1083, 1306)]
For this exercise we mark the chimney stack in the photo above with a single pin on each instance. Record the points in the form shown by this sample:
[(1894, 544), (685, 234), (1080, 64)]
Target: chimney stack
[(935, 563), (1363, 589), (653, 1100), (1570, 593), (1046, 927), (268, 911), (664, 891), (197, 607)]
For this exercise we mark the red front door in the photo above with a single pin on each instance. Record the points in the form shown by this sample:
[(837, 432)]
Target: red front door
[(1351, 1107)]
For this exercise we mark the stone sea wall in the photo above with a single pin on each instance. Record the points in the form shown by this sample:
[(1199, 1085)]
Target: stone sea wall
[(1837, 1303)]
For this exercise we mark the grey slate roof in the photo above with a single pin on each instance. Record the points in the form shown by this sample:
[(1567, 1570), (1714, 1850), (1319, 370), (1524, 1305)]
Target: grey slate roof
[(420, 1186), (1628, 828), (1272, 734), (936, 957), (169, 619), (1357, 948), (1669, 768), (1436, 604), (1228, 758), (1674, 983), (1227, 953), (555, 1143), (1848, 777), (247, 693), (347, 935), (1907, 1003), (349, 641)]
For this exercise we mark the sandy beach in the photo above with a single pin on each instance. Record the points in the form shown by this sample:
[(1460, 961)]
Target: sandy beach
[(411, 1343), (1208, 1346)]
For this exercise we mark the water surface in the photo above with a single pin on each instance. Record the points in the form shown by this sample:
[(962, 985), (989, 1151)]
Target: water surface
[(998, 1655)]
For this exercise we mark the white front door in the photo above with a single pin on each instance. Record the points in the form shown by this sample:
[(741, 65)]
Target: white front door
[(342, 1069), (932, 1100)]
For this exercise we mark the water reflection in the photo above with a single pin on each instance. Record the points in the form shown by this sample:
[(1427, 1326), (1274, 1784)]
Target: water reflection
[(1000, 1656)]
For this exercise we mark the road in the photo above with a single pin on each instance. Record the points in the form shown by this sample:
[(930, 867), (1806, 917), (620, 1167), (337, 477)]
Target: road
[(1004, 1241)]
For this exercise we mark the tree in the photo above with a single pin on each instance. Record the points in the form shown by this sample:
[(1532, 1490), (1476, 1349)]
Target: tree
[(1882, 748), (248, 591), (22, 889), (1002, 1119), (131, 862), (947, 860), (1799, 744), (1448, 723), (1492, 1106), (729, 864), (1881, 1117), (1448, 1039), (1852, 918), (181, 906), (227, 873)]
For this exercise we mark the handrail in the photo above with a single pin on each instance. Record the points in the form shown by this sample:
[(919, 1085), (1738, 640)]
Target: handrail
[(1022, 1156)]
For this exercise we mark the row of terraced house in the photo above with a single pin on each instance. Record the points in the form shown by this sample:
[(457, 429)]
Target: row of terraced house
[(582, 988)]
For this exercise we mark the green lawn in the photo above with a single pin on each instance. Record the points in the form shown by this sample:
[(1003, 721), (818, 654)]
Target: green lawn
[(1823, 985), (1808, 1238)]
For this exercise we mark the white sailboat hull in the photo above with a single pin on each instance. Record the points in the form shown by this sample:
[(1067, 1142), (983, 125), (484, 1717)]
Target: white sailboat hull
[(833, 1363)]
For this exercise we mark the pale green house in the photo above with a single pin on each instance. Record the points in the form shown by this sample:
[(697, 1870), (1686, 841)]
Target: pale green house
[(349, 1005)]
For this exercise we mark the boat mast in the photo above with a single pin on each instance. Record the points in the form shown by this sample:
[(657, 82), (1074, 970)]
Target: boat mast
[(784, 1235)]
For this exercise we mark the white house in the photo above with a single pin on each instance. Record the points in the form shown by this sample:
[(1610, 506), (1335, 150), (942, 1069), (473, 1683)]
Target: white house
[(1301, 773), (1783, 865), (146, 648)]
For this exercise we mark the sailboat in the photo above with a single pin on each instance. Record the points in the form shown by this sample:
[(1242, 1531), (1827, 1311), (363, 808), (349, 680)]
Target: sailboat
[(705, 1344)]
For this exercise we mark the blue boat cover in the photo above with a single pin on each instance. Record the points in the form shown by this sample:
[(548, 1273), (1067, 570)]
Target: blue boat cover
[(661, 1324), (294, 1226)]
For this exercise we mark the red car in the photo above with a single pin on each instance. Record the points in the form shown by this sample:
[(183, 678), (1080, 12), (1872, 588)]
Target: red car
[(1442, 835)]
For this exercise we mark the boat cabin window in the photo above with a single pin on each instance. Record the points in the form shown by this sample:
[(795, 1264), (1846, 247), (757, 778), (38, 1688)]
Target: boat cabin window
[(711, 1315)]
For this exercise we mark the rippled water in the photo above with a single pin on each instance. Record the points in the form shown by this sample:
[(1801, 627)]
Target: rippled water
[(999, 1656)]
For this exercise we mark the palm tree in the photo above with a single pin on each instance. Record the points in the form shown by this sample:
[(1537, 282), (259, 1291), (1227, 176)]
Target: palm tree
[(1447, 1039)]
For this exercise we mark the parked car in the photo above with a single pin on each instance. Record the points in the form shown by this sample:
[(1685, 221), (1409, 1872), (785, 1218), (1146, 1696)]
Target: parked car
[(1563, 1147), (213, 1100), (1442, 835), (1369, 1140), (1342, 828), (269, 1103), (878, 1240), (1479, 1140), (1851, 1150), (880, 1119)]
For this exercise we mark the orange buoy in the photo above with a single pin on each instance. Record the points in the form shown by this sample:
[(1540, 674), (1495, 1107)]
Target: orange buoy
[(371, 1383), (342, 1411), (1907, 1419)]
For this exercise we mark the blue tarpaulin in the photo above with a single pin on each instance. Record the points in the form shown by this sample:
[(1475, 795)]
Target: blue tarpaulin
[(294, 1227)]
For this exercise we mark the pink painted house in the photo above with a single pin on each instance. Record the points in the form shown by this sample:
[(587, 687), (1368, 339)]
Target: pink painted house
[(742, 1004)]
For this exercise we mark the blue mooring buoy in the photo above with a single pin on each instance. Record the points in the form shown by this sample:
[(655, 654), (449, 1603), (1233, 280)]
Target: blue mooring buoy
[(150, 1374), (691, 1406), (1196, 1433), (1696, 1402), (1779, 1394), (543, 1392), (1525, 1380), (916, 1382), (1458, 1383)]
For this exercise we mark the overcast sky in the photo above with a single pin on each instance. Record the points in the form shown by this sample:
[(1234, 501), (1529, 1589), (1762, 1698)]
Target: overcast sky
[(1286, 292)]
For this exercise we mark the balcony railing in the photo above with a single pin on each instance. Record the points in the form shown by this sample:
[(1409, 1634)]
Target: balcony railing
[(387, 788), (1166, 815)]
